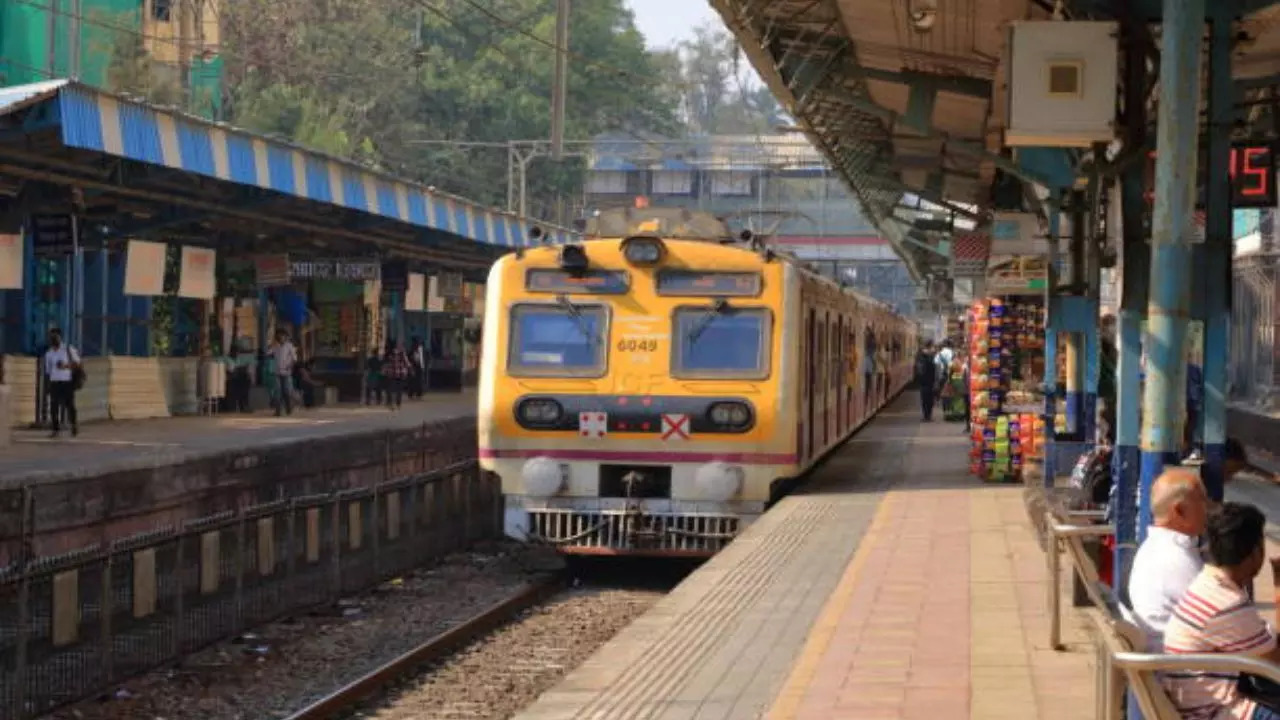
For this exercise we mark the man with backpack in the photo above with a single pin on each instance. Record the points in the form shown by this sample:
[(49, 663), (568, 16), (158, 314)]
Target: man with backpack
[(61, 368), (926, 377)]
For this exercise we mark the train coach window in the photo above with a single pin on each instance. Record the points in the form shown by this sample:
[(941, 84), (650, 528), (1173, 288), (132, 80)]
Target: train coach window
[(551, 340), (721, 342)]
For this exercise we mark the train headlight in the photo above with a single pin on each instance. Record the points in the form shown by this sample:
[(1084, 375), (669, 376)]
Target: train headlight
[(573, 259), (642, 250), (731, 415), (539, 412), (543, 477), (718, 482)]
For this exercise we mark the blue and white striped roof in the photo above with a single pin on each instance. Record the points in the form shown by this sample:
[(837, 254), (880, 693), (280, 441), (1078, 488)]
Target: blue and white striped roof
[(92, 119)]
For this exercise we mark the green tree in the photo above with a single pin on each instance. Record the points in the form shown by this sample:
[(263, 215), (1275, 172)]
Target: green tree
[(717, 97), (374, 78)]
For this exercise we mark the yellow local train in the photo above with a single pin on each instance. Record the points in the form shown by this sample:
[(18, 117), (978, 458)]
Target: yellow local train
[(651, 390)]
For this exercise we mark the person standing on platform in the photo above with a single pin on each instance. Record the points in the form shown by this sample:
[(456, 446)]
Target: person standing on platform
[(285, 356), (61, 361), (926, 377), (944, 358), (418, 360), (396, 370)]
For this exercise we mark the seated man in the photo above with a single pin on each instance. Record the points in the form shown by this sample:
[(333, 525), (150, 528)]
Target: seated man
[(1216, 615), (1169, 559)]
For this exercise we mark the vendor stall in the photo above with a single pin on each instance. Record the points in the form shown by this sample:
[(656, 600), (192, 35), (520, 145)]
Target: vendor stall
[(1006, 361)]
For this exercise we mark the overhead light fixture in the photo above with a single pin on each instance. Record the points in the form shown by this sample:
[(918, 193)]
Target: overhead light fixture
[(923, 14)]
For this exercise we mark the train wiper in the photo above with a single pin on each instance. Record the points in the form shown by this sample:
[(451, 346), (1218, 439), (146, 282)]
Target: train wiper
[(578, 318), (718, 306)]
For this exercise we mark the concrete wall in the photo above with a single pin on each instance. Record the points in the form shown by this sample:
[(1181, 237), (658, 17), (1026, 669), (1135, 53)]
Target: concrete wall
[(73, 514)]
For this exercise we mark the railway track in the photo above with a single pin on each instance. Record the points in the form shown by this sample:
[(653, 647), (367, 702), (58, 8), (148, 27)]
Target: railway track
[(493, 664), (346, 699)]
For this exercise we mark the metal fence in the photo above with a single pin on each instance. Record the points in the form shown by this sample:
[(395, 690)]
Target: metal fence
[(73, 625), (1253, 330)]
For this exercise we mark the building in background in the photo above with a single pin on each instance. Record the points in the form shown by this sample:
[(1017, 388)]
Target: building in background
[(166, 50), (768, 183)]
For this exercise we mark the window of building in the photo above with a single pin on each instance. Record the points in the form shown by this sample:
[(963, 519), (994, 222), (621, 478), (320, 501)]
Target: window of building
[(672, 182), (607, 182), (162, 10), (730, 182)]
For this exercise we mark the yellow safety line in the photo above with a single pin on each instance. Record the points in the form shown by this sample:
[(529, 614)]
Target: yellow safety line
[(792, 694)]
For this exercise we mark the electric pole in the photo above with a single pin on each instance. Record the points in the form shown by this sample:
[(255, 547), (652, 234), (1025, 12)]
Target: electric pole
[(559, 87)]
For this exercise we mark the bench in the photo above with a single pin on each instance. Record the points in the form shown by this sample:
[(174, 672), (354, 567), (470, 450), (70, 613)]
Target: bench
[(1120, 663), (1122, 667)]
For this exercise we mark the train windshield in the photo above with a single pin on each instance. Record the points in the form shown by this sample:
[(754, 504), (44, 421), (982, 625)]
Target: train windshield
[(719, 341), (567, 339)]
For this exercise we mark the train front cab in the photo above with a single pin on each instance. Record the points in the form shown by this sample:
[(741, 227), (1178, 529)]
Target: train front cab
[(667, 438)]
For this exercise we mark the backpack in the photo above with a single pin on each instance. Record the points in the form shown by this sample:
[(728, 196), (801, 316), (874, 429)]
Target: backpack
[(924, 364), (78, 376)]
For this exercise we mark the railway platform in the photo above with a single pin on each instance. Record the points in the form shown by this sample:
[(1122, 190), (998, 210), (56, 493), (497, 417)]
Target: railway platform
[(890, 585), (110, 446), (118, 479)]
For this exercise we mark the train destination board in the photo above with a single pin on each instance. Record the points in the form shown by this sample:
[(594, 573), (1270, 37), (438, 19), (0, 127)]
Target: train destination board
[(724, 284), (596, 282)]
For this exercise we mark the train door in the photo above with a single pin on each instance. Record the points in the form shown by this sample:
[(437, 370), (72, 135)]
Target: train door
[(832, 379), (811, 385), (838, 380)]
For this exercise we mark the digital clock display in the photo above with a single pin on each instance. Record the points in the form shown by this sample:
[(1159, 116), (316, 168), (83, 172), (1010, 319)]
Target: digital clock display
[(595, 282), (721, 284), (1253, 176)]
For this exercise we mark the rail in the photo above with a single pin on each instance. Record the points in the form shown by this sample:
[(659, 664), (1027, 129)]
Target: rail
[(73, 625), (1059, 534), (345, 698)]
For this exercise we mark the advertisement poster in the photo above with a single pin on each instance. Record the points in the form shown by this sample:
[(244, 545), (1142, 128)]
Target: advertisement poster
[(197, 276), (416, 293), (144, 268), (11, 265)]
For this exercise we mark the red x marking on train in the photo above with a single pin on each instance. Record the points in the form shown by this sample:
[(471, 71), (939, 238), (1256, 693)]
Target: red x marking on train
[(675, 427)]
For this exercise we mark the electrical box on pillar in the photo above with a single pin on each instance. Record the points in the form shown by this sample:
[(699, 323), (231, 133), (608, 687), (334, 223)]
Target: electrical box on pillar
[(1062, 83)]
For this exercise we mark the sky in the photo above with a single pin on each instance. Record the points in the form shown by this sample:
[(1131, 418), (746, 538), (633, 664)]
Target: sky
[(667, 22)]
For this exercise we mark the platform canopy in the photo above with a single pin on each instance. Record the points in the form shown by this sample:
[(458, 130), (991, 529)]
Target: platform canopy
[(908, 113), (134, 169)]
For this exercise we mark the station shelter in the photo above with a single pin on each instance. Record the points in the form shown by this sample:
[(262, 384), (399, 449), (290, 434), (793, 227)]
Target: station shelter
[(159, 242)]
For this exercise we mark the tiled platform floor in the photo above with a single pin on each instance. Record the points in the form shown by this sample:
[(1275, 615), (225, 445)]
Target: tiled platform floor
[(891, 586), (942, 614)]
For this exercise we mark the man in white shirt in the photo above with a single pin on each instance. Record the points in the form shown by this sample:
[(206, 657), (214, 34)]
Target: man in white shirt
[(286, 357), (60, 360), (1169, 559)]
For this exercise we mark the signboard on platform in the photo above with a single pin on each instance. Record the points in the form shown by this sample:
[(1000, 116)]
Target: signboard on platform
[(197, 277), (12, 268), (416, 294), (271, 270), (1018, 234), (1251, 172), (53, 234), (355, 270), (144, 268)]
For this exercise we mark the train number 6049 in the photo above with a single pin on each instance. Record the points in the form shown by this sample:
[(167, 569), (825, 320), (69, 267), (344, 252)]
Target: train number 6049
[(637, 345)]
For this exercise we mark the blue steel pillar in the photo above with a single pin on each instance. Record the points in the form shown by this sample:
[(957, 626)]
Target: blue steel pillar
[(1051, 344), (1164, 396), (1218, 249)]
